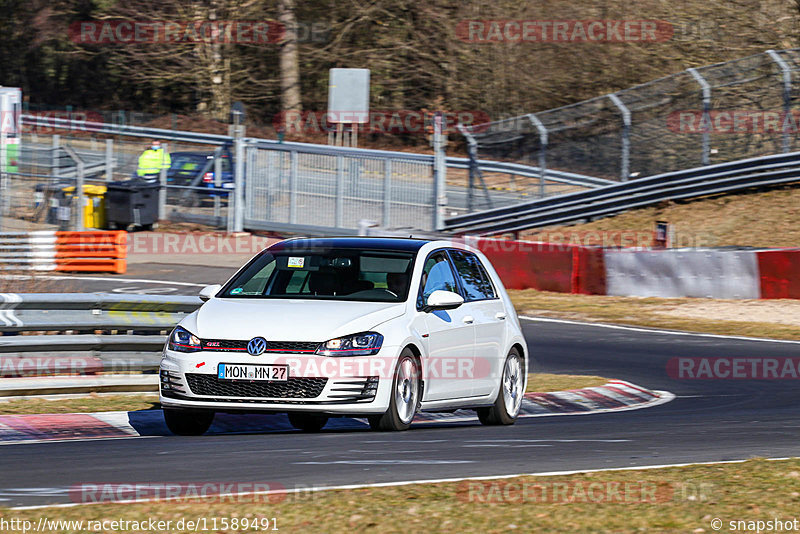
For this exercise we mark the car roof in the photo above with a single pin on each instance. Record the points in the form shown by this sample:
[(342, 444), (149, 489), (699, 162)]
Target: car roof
[(369, 243)]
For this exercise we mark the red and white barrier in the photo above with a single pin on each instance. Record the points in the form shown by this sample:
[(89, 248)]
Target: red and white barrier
[(89, 251), (566, 268)]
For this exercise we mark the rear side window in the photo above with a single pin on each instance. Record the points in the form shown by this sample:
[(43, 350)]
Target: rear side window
[(474, 278)]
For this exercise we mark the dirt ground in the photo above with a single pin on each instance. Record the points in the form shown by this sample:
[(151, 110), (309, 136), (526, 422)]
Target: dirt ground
[(761, 311)]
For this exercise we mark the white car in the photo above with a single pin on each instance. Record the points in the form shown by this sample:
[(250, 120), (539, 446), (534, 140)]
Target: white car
[(380, 328)]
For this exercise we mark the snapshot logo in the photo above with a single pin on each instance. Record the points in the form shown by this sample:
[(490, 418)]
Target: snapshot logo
[(207, 492), (726, 368), (397, 121), (250, 32), (733, 121), (564, 31), (578, 492)]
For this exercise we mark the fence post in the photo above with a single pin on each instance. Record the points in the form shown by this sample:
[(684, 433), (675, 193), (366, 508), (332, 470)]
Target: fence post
[(109, 160), (81, 198), (542, 151), (292, 187), (238, 180), (706, 114), (218, 184), (55, 161), (439, 172), (472, 149), (339, 215), (162, 191), (787, 95), (626, 140), (387, 191)]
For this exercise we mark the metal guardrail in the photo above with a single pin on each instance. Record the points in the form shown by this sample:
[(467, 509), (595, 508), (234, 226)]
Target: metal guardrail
[(765, 171), (140, 323)]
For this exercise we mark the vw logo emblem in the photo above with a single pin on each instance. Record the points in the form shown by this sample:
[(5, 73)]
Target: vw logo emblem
[(257, 346)]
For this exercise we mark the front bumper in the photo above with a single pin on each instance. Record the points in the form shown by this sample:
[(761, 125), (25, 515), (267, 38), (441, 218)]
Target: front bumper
[(318, 384)]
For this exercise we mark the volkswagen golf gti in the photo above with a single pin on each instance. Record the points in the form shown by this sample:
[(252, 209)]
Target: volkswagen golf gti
[(380, 328)]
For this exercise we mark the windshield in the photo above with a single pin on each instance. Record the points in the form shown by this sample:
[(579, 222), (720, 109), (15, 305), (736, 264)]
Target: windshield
[(343, 274)]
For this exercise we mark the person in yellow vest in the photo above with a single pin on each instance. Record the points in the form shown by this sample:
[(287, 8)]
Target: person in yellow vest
[(153, 160)]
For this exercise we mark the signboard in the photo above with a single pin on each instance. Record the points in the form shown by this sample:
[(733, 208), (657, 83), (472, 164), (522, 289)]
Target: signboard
[(348, 96), (10, 128)]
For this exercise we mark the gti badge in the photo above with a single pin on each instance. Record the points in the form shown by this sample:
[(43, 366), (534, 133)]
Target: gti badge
[(257, 346)]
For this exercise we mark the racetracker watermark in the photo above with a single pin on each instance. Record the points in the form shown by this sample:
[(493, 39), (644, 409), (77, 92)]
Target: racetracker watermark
[(736, 121), (194, 243), (51, 122), (581, 491), (129, 32), (727, 368), (207, 492), (392, 121), (564, 31)]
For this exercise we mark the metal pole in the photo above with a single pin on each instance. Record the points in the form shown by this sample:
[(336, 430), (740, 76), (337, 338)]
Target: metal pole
[(472, 149), (109, 160), (218, 182), (439, 172), (626, 140), (4, 189), (162, 191), (339, 192), (543, 140), (55, 162), (787, 95), (238, 187), (293, 187), (706, 114), (78, 186), (387, 192)]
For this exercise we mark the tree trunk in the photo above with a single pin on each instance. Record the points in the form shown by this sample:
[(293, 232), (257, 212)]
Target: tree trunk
[(289, 59)]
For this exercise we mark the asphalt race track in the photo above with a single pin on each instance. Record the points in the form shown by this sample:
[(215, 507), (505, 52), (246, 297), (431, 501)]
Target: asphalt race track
[(710, 420)]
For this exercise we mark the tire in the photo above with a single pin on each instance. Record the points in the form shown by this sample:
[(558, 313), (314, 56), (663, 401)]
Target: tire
[(307, 422), (505, 409), (405, 395), (188, 422)]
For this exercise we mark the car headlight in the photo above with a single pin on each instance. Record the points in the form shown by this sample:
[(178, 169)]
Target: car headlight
[(181, 340), (363, 344)]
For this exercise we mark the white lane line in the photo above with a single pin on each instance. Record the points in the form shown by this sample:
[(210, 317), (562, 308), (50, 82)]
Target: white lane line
[(655, 330), (421, 461), (99, 279), (304, 490)]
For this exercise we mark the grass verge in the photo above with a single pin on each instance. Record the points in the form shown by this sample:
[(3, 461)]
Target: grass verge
[(652, 312), (680, 499)]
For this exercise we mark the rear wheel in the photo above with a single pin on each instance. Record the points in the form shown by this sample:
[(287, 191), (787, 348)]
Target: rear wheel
[(506, 407), (307, 422), (405, 395), (188, 422)]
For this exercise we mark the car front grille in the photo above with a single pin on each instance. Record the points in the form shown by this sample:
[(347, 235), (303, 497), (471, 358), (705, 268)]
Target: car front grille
[(295, 387), (287, 347)]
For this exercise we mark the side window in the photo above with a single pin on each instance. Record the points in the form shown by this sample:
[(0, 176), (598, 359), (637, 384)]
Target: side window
[(474, 278), (436, 275)]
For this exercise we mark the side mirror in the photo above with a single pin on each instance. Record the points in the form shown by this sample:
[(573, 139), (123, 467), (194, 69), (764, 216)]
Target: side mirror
[(209, 291), (443, 300)]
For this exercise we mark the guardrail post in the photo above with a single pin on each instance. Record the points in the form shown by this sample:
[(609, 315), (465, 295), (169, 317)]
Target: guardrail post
[(218, 185), (626, 140), (787, 95), (4, 189), (706, 114), (339, 215), (387, 191), (439, 172), (542, 151), (109, 160), (162, 191), (472, 154)]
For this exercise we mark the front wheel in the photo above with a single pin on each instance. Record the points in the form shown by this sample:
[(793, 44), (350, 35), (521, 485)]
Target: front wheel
[(188, 422), (506, 407), (405, 395), (307, 422)]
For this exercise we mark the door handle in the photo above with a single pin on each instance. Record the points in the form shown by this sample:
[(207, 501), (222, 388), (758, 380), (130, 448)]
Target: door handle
[(468, 319), (500, 315)]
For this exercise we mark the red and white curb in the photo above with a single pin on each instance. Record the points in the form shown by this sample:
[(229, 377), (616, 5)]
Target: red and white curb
[(615, 396)]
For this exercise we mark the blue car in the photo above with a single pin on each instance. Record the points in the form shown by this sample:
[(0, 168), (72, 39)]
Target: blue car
[(196, 169)]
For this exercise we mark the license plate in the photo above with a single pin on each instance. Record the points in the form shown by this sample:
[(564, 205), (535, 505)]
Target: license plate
[(240, 371)]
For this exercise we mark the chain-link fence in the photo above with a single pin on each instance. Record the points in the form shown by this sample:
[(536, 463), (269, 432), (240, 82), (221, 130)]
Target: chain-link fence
[(713, 114)]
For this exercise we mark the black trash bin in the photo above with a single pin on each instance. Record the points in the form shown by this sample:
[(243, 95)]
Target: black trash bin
[(132, 202)]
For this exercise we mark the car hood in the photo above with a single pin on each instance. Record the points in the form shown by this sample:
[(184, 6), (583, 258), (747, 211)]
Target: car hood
[(288, 320)]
